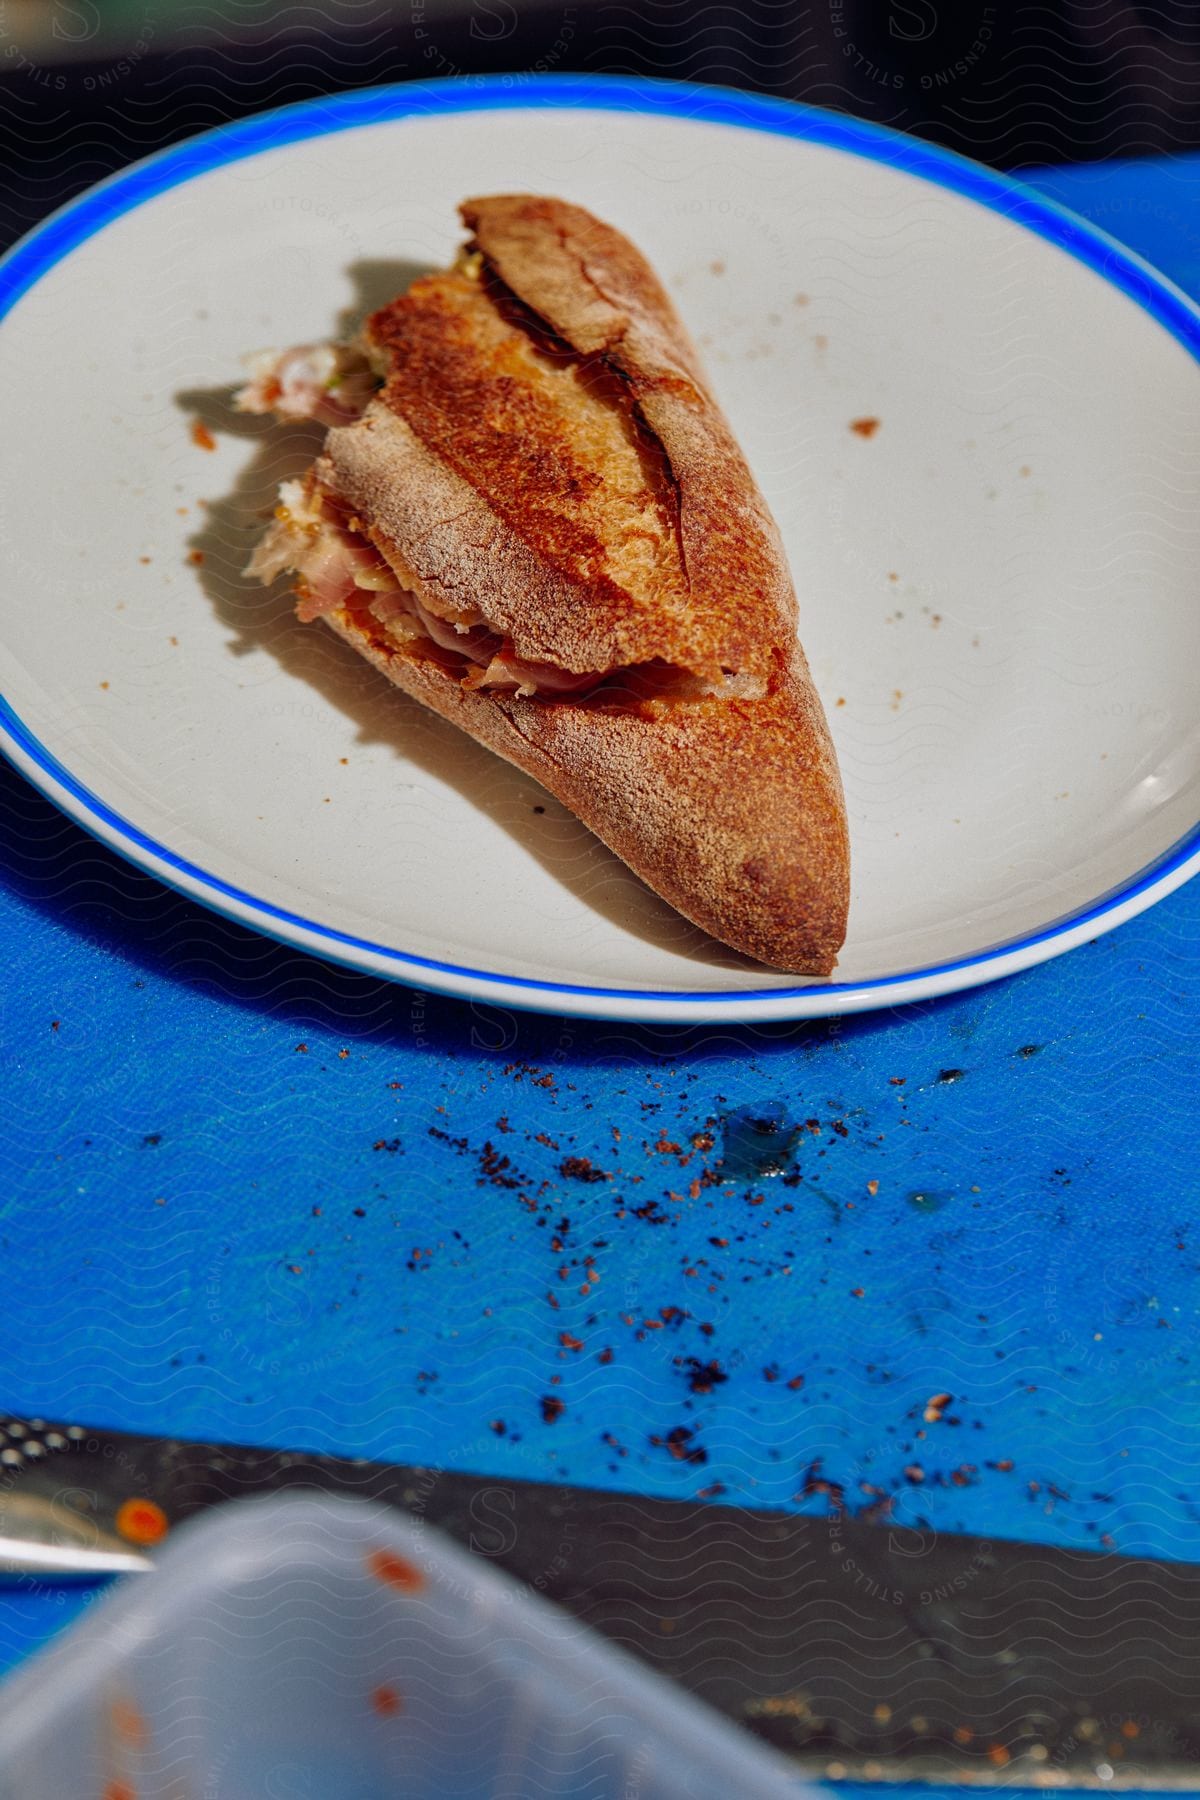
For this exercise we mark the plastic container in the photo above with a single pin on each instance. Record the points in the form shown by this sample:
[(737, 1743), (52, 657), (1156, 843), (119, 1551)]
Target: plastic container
[(308, 1648)]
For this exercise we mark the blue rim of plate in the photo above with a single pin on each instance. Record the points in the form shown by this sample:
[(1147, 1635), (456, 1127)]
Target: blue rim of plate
[(47, 245)]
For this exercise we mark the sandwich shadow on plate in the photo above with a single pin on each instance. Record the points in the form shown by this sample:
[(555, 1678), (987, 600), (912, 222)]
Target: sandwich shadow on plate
[(264, 619)]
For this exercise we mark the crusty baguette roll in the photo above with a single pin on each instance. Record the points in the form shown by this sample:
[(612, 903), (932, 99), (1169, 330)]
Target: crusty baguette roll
[(542, 527)]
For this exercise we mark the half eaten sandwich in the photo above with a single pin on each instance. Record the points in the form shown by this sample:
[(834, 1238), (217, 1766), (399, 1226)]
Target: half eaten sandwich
[(531, 515)]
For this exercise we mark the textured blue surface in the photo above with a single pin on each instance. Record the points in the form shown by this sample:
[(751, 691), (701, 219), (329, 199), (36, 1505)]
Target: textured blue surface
[(244, 1195)]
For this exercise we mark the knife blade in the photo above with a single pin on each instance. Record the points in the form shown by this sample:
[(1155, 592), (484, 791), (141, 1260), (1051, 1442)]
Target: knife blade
[(861, 1650)]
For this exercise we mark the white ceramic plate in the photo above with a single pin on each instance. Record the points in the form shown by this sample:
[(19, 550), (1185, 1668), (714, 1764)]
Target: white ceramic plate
[(998, 587)]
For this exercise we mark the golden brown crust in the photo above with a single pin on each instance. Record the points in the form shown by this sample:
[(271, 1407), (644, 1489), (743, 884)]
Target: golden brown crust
[(546, 451), (731, 810), (600, 295), (576, 421), (455, 543), (449, 547)]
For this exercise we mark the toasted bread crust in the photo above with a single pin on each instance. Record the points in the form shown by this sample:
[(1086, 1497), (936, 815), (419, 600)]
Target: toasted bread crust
[(732, 811), (452, 550), (540, 449), (549, 443), (545, 450), (600, 295)]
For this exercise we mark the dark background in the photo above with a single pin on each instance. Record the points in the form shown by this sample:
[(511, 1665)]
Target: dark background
[(86, 88)]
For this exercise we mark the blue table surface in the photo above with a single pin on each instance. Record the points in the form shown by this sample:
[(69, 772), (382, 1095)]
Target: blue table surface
[(248, 1196)]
